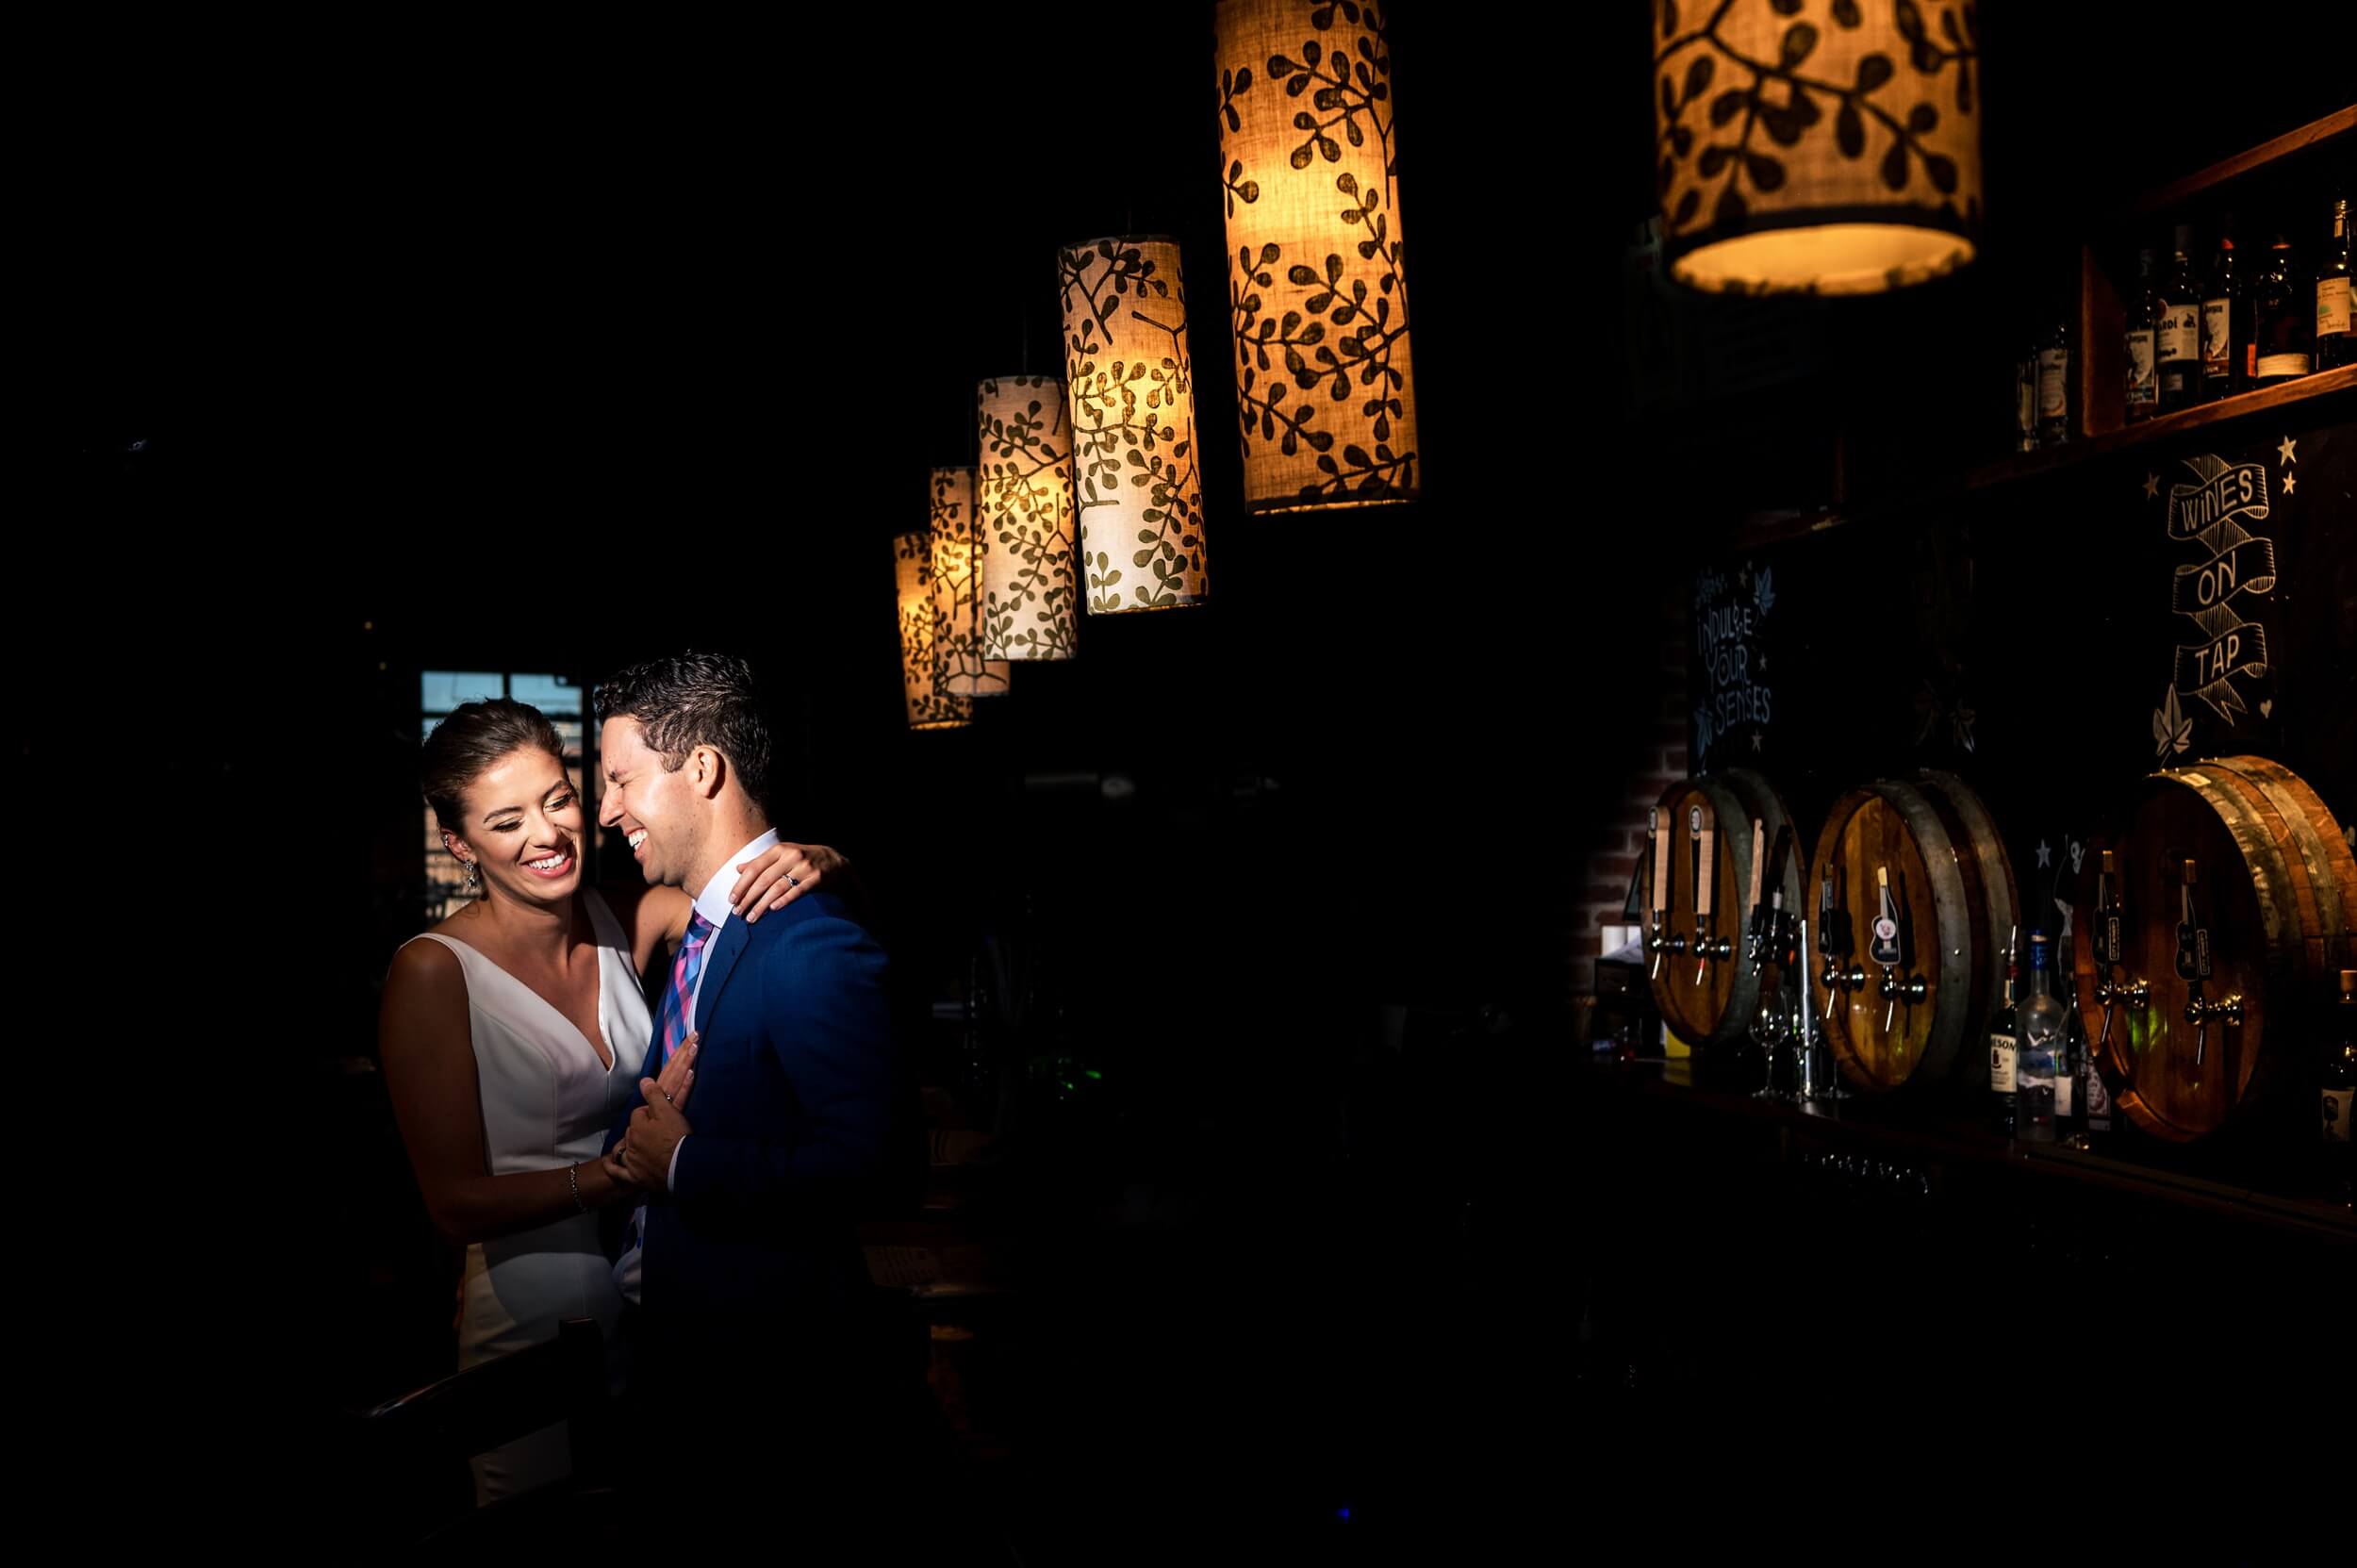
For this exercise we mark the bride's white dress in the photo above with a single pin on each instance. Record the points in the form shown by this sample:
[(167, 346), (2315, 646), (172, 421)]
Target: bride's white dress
[(548, 1099)]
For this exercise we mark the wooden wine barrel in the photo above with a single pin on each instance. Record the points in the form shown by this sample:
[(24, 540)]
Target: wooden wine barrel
[(1952, 885), (2276, 889), (1719, 809)]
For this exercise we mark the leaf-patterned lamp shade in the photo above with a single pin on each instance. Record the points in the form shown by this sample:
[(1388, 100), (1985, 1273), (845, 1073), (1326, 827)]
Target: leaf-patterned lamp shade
[(1132, 388), (929, 706), (959, 547), (1031, 592), (1308, 156), (1817, 146)]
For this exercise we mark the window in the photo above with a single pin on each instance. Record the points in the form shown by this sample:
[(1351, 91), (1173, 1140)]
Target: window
[(442, 690)]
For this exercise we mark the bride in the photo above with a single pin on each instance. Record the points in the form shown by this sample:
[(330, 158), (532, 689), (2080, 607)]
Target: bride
[(512, 1034)]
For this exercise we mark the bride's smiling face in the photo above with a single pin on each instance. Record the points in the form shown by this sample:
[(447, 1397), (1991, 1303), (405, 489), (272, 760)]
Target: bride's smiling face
[(524, 826)]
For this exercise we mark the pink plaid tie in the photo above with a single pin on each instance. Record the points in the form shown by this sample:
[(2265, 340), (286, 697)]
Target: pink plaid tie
[(676, 1015)]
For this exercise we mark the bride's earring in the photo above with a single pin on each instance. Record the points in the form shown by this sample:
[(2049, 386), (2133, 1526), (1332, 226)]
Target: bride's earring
[(474, 879)]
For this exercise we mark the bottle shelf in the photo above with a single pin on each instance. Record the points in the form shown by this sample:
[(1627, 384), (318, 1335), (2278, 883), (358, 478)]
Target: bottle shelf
[(2094, 447), (2099, 363)]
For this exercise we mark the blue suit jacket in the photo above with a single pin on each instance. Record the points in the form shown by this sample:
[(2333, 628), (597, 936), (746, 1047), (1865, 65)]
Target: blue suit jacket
[(753, 1261)]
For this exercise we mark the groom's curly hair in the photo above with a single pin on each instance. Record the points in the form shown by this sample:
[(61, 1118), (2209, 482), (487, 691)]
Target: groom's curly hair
[(691, 700)]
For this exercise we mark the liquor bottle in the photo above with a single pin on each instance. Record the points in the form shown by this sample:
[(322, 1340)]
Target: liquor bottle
[(2282, 321), (2336, 339), (2179, 326), (2225, 324), (2091, 1109), (2054, 384), (2144, 317), (2038, 1025), (2066, 1064), (2003, 1045), (2340, 1095)]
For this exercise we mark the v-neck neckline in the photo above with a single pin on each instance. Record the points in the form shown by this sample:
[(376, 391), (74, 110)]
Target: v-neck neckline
[(607, 1057)]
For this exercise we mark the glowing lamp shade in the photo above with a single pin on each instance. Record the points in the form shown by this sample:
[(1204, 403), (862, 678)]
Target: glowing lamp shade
[(959, 547), (1131, 385), (929, 706), (1816, 146), (1316, 295), (1030, 574)]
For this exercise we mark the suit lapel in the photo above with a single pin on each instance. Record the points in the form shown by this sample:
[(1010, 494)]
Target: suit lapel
[(728, 946)]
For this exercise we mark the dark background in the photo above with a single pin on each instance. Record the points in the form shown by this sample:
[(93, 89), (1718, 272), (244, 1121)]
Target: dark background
[(364, 350)]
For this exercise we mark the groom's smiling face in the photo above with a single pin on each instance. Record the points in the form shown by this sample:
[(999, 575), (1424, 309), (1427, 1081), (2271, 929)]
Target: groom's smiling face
[(653, 805)]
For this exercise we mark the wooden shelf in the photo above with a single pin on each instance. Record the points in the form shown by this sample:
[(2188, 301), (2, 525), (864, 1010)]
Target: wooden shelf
[(2169, 197), (2100, 364), (2094, 447)]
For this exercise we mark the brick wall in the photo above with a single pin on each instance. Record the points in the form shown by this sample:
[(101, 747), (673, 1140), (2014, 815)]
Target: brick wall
[(1647, 762)]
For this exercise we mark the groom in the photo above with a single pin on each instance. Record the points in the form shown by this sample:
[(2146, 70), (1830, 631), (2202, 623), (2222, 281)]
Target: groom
[(744, 1262)]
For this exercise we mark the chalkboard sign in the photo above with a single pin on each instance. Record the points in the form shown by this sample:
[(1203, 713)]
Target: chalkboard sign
[(1734, 701), (2217, 513)]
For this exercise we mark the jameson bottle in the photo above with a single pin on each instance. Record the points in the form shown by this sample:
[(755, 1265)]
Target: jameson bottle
[(2039, 1025), (2336, 344), (2178, 323), (2340, 1094), (2144, 371), (2054, 384), (2225, 324), (2283, 320), (2003, 1045)]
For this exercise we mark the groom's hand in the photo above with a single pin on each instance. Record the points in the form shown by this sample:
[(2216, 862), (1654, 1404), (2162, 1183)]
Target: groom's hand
[(656, 1130)]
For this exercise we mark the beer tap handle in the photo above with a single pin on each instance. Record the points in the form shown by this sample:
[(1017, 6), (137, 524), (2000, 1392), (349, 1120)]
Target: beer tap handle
[(2106, 945), (1706, 880), (1660, 886), (1633, 907), (1759, 864), (1886, 949), (2193, 955)]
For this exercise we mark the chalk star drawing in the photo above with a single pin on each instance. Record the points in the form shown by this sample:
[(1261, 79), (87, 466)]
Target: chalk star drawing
[(2291, 483), (2045, 854), (2288, 451), (2152, 486)]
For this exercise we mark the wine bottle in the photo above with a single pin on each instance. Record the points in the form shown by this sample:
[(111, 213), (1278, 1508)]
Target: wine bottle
[(2142, 313), (2054, 384), (2336, 341), (2225, 324), (2282, 321), (2178, 324)]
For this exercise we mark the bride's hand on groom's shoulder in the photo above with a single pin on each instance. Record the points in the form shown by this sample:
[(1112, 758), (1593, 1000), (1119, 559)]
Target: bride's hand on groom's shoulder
[(778, 875)]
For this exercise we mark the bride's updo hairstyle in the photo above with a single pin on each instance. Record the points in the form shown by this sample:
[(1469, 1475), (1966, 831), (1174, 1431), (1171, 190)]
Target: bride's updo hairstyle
[(464, 746)]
